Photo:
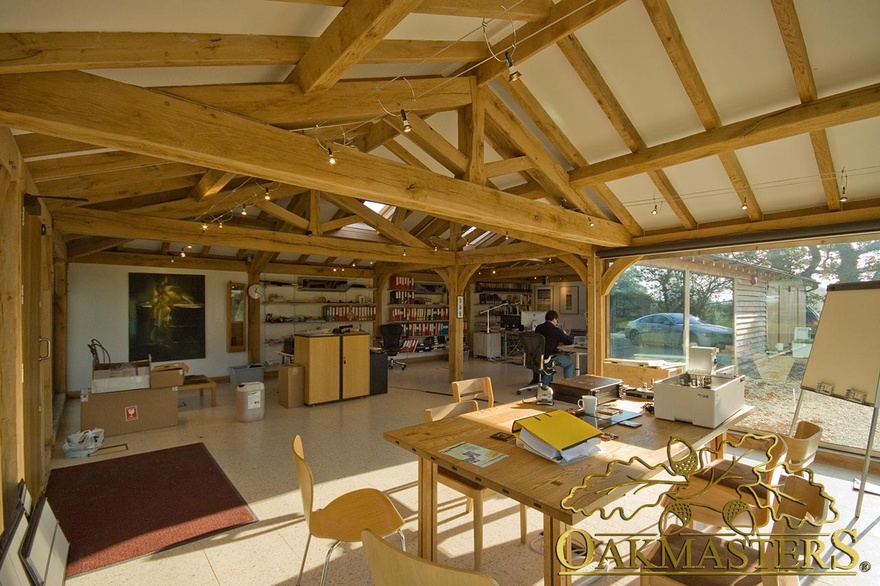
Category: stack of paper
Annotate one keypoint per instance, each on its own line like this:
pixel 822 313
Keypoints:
pixel 557 436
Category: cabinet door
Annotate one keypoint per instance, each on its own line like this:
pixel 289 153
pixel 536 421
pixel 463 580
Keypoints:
pixel 355 366
pixel 320 357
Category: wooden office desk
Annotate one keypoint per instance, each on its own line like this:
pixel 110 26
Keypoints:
pixel 528 478
pixel 199 382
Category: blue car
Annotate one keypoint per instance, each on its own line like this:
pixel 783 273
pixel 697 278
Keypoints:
pixel 667 329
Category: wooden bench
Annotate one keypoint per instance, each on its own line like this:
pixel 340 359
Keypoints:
pixel 191 382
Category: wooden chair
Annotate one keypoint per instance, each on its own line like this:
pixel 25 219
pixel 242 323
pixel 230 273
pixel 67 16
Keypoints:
pixel 473 388
pixel 473 491
pixel 346 517
pixel 716 484
pixel 390 567
pixel 803 510
pixel 802 447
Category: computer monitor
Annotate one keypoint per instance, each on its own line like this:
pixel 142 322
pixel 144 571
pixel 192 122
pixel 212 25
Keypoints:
pixel 530 319
pixel 510 321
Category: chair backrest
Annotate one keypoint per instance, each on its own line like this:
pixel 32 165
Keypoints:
pixel 473 388
pixel 391 336
pixel 533 350
pixel 450 410
pixel 390 566
pixel 803 446
pixel 802 510
pixel 304 476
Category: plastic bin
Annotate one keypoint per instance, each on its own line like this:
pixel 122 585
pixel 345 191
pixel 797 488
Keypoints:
pixel 246 373
pixel 250 401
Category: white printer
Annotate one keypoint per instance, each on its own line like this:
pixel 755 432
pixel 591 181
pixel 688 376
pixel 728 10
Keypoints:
pixel 699 396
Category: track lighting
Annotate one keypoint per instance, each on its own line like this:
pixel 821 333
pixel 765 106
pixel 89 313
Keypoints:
pixel 654 211
pixel 405 120
pixel 404 252
pixel 204 228
pixel 591 222
pixel 506 235
pixel 266 197
pixel 243 210
pixel 512 74
pixel 745 204
pixel 330 157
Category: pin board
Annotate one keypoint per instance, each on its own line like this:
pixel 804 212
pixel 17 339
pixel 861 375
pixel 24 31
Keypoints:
pixel 845 358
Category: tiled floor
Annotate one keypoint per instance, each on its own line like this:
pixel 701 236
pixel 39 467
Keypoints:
pixel 343 442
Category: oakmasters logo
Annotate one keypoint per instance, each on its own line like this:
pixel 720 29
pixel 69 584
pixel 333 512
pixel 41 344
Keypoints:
pixel 771 521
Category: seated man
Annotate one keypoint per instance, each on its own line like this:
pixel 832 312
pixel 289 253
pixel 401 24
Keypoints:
pixel 553 337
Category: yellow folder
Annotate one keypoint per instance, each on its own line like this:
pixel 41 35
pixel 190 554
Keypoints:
pixel 559 429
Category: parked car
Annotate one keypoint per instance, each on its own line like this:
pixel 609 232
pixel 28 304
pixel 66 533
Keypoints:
pixel 667 329
pixel 811 320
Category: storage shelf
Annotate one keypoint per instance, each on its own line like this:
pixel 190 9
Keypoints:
pixel 420 321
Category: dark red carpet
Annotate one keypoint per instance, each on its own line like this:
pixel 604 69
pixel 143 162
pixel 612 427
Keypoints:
pixel 118 509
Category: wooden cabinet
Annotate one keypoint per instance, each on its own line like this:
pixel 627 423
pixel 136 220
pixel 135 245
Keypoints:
pixel 336 366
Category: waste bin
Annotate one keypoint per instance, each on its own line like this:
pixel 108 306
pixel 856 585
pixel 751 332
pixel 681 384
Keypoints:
pixel 250 401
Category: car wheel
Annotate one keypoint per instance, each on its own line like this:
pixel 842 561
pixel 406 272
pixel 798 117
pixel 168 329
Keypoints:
pixel 635 337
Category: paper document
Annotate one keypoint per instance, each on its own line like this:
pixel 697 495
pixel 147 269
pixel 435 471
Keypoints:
pixel 559 429
pixel 474 454
pixel 536 446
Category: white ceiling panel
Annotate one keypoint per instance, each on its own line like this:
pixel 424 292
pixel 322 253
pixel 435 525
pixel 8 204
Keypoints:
pixel 739 52
pixel 631 59
pixel 560 91
pixel 783 174
pixel 854 149
pixel 706 190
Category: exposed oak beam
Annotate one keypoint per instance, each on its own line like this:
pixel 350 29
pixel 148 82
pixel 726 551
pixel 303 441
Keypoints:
pixel 358 27
pixel 834 110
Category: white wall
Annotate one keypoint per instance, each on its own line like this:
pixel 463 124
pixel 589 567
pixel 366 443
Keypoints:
pixel 98 308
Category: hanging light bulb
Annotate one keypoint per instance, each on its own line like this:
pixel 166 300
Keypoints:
pixel 330 157
pixel 405 120
pixel 654 211
pixel 512 74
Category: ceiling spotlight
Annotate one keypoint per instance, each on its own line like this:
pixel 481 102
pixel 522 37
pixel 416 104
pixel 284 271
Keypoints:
pixel 330 156
pixel 506 235
pixel 403 118
pixel 220 225
pixel 204 228
pixel 512 74
pixel 843 199
pixel 745 204
pixel 493 271
pixel 189 246
pixel 404 252
pixel 591 222
pixel 435 248
pixel 243 210
pixel 182 254
pixel 655 210
pixel 267 194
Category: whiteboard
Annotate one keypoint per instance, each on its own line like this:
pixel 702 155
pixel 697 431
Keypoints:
pixel 846 348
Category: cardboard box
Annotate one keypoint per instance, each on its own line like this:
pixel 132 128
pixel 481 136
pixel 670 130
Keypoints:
pixel 291 385
pixel 120 376
pixel 636 373
pixel 129 411
pixel 168 375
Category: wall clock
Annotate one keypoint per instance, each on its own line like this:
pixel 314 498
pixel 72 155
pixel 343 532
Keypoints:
pixel 256 291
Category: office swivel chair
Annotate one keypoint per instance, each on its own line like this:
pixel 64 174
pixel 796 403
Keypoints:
pixel 534 359
pixel 391 337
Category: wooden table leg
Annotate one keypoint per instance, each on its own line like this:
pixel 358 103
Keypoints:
pixel 553 529
pixel 427 510
pixel 719 446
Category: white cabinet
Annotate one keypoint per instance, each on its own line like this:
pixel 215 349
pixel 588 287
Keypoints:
pixel 487 345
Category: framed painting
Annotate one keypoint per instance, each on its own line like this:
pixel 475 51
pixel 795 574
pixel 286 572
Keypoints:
pixel 543 298
pixel 568 300
pixel 166 316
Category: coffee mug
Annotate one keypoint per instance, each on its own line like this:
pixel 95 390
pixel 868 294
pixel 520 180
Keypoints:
pixel 588 404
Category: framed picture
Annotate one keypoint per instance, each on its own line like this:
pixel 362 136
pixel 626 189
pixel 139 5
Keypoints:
pixel 166 316
pixel 543 298
pixel 568 300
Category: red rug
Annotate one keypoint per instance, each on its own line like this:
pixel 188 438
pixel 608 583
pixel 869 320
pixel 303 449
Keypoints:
pixel 122 508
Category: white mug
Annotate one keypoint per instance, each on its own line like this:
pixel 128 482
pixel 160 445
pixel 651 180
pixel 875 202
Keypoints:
pixel 588 404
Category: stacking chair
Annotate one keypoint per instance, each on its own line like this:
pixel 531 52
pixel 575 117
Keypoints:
pixel 802 447
pixel 803 510
pixel 390 567
pixel 473 491
pixel 473 388
pixel 346 517
pixel 392 334
pixel 716 484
